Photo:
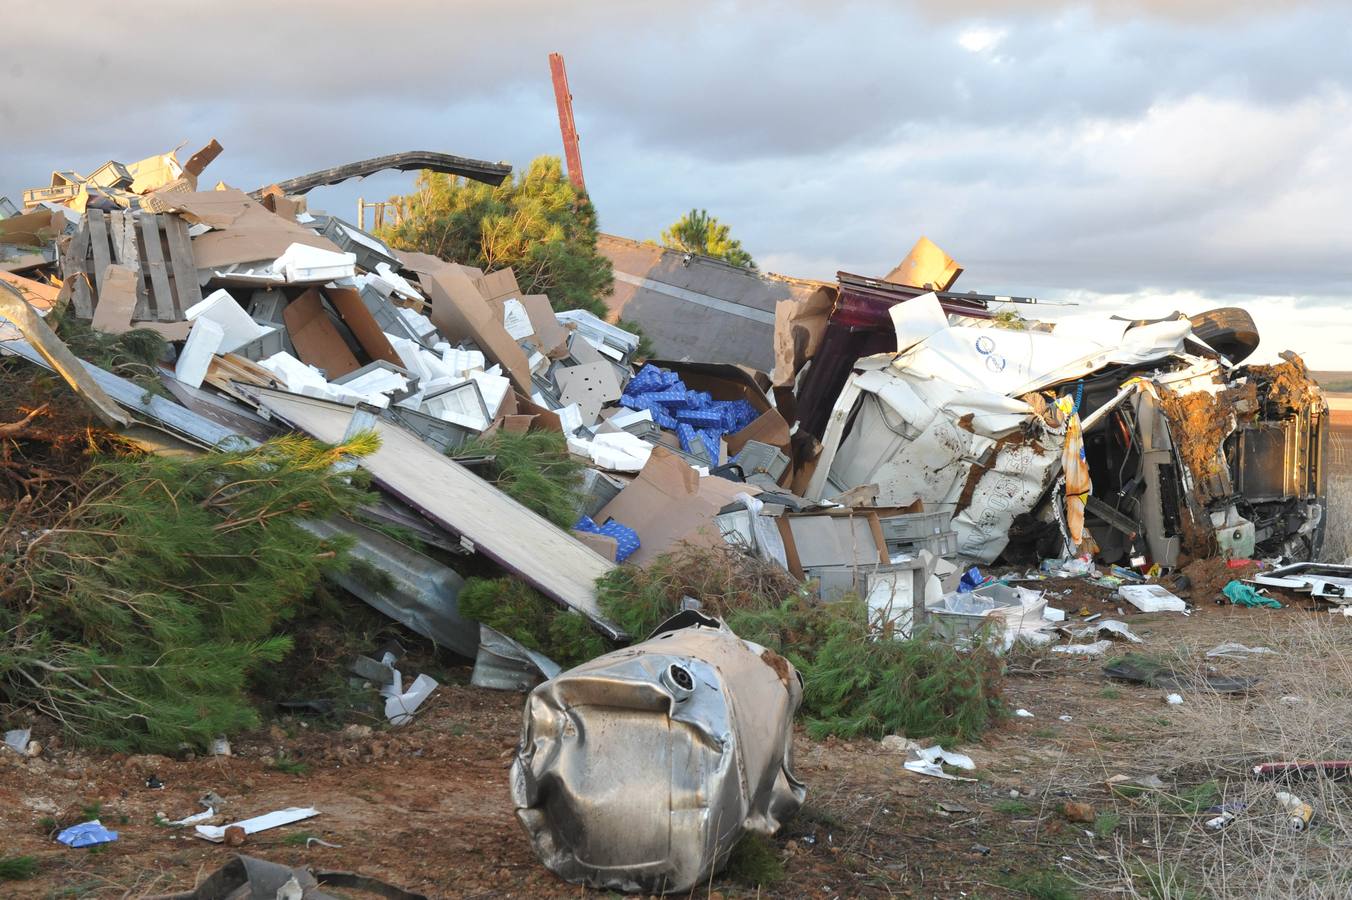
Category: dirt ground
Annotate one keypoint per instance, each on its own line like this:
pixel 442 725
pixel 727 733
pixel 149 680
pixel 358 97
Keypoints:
pixel 426 807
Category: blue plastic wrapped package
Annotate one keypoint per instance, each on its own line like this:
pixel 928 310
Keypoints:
pixel 971 580
pixel 86 834
pixel 626 538
pixel 695 416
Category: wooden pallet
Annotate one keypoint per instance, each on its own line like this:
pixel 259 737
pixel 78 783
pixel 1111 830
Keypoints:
pixel 155 247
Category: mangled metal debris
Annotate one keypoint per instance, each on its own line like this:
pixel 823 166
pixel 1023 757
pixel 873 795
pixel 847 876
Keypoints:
pixel 640 769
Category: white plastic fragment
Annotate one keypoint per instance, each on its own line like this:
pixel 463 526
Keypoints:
pixel 931 760
pixel 237 327
pixel 1023 713
pixel 400 705
pixel 204 342
pixel 1234 650
pixel 1151 598
pixel 216 833
pixel 17 740
pixel 1174 699
pixel 301 262
pixel 1098 648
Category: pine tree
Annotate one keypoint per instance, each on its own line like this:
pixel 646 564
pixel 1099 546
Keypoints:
pixel 136 620
pixel 698 232
pixel 537 223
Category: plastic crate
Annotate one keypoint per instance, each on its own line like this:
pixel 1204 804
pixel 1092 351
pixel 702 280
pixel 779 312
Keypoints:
pixel 914 526
pixel 945 543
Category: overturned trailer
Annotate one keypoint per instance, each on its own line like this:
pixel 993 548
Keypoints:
pixel 1170 446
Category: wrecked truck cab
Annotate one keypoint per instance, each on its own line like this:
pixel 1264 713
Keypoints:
pixel 1186 454
pixel 1209 459
pixel 640 769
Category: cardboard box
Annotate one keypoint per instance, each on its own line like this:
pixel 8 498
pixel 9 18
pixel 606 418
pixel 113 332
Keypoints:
pixel 316 339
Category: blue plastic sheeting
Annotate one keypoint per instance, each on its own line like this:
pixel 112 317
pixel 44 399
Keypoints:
pixel 86 834
pixel 626 538
pixel 698 420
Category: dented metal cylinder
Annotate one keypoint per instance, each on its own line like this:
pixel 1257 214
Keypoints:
pixel 639 770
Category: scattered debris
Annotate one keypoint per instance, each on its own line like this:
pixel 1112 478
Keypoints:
pixel 245 876
pixel 1235 650
pixel 1298 812
pixel 1078 812
pixel 1098 648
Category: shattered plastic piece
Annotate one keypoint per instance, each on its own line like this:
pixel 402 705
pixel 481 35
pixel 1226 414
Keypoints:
pixel 626 538
pixel 1098 648
pixel 1233 650
pixel 931 760
pixel 86 834
pixel 1241 594
pixel 216 833
pixel 206 815
pixel 1023 713
pixel 640 770
pixel 17 739
pixel 1110 629
pixel 400 705
pixel 1151 598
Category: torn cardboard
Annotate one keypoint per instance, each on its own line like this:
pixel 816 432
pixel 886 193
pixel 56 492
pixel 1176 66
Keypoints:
pixel 315 337
pixel 460 312
pixel 669 503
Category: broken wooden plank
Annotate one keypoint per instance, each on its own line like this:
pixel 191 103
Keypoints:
pixel 187 292
pixel 161 297
pixel 58 355
pixel 546 556
pixel 98 239
pixel 74 271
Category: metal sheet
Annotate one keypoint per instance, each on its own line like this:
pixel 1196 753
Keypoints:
pixel 420 593
pixel 504 664
pixel 544 555
pixel 641 769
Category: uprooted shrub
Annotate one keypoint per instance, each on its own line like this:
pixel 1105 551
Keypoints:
pixel 859 684
pixel 535 469
pixel 856 683
pixel 135 618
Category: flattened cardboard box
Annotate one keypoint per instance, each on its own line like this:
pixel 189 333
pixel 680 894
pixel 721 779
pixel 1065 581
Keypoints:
pixel 668 503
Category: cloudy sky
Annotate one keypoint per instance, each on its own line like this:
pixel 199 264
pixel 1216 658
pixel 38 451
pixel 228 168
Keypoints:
pixel 1139 155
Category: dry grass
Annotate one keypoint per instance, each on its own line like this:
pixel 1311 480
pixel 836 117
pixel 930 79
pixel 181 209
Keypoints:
pixel 1299 711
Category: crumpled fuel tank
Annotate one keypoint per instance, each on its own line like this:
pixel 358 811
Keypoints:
pixel 640 770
